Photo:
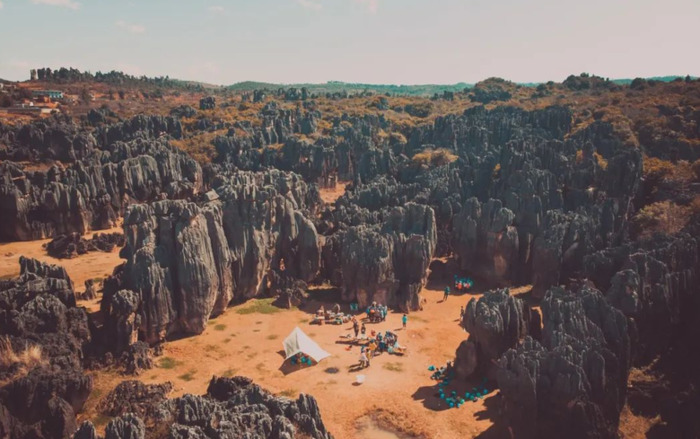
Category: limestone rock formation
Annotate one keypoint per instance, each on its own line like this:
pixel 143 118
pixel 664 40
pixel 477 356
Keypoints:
pixel 495 323
pixel 388 262
pixel 207 103
pixel 574 382
pixel 187 262
pixel 143 400
pixel 73 244
pixel 232 407
pixel 99 173
pixel 40 321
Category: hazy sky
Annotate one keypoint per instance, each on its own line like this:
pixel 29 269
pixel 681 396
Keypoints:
pixel 372 41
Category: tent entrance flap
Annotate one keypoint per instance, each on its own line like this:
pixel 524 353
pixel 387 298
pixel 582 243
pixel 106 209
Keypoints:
pixel 298 342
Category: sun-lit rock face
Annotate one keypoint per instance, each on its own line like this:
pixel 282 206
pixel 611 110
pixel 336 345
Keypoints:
pixel 187 262
pixel 100 173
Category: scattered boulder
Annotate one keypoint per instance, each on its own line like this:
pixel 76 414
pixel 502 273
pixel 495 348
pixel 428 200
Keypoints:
pixel 207 103
pixel 73 244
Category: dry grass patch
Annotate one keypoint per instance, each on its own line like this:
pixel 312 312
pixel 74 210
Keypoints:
pixel 289 393
pixel 259 306
pixel 168 363
pixel 219 327
pixel 28 358
pixel 435 157
pixel 189 376
pixel 228 373
pixel 100 421
pixel 273 337
pixel 394 367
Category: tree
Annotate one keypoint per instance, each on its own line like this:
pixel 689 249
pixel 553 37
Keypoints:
pixel 85 96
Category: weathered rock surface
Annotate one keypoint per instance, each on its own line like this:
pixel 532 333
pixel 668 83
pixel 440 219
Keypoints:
pixel 143 400
pixel 39 399
pixel 574 381
pixel 207 103
pixel 386 262
pixel 495 323
pixel 94 175
pixel 232 407
pixel 187 262
pixel 73 244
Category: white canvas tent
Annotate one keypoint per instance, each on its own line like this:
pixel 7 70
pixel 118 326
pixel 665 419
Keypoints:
pixel 298 342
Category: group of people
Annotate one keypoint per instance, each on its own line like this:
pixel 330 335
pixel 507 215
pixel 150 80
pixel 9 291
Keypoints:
pixel 460 284
pixel 378 343
pixel 377 312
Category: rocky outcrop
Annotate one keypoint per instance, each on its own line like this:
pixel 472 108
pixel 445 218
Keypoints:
pixel 207 103
pixel 43 388
pixel 232 407
pixel 137 358
pixel 486 240
pixel 654 283
pixel 121 163
pixel 388 262
pixel 122 319
pixel 90 292
pixel 143 400
pixel 183 111
pixel 128 426
pixel 573 382
pixel 73 244
pixel 495 323
pixel 187 262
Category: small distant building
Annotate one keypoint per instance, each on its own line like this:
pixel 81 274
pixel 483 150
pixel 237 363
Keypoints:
pixel 52 94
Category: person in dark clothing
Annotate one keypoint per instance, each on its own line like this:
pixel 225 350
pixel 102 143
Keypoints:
pixel 447 294
pixel 355 327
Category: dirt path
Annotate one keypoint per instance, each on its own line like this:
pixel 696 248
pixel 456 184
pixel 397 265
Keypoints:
pixel 330 195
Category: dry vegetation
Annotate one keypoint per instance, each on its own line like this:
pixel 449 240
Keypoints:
pixel 21 361
pixel 434 157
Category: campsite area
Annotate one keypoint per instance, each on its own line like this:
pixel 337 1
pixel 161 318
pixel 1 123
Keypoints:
pixel 398 399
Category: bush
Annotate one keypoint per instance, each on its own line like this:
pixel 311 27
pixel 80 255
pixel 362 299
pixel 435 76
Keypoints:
pixel 434 157
pixel 492 89
pixel 696 169
pixel 657 168
pixel 22 361
pixel 422 109
pixel 661 217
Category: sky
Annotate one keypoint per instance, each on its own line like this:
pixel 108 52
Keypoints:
pixel 367 41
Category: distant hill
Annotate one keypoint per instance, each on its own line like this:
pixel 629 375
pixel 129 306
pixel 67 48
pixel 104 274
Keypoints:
pixel 350 87
pixel 407 90
pixel 70 75
pixel 653 78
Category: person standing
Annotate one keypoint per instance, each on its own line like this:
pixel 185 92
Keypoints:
pixel 364 362
pixel 404 320
pixel 447 293
pixel 355 326
pixel 363 330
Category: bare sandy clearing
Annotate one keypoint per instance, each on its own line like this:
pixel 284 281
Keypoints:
pixel 397 399
pixel 93 265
